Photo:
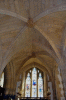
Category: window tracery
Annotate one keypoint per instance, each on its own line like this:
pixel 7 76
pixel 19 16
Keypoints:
pixel 34 78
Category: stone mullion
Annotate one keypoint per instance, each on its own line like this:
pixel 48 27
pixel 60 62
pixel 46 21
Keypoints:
pixel 37 83
pixel 24 84
pixel 31 85
pixel 24 87
pixel 43 85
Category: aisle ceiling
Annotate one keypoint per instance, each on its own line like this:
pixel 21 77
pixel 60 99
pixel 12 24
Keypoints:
pixel 29 32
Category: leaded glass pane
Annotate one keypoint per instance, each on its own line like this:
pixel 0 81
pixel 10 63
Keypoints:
pixel 2 80
pixel 40 86
pixel 27 92
pixel 34 83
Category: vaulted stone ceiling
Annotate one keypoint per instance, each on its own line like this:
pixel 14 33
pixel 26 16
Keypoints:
pixel 33 31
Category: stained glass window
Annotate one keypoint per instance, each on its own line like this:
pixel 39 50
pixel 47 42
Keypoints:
pixel 34 83
pixel 27 92
pixel 2 80
pixel 40 86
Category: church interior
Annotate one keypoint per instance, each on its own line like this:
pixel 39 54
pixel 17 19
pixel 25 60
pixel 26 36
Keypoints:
pixel 33 49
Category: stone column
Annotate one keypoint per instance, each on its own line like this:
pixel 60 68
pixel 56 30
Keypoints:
pixel 59 85
pixel 45 84
pixel 7 79
pixel 51 90
pixel 20 87
pixel 23 84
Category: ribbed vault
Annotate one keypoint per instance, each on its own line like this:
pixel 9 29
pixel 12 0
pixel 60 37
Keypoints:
pixel 33 31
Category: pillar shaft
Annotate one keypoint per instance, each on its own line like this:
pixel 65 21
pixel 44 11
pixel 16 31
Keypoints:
pixel 45 84
pixel 23 84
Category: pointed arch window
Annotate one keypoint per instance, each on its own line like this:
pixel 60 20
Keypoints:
pixel 34 83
